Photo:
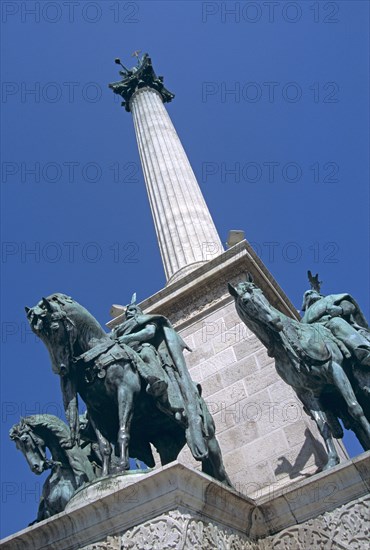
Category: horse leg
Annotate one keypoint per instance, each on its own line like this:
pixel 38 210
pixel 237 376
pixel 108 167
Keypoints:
pixel 104 448
pixel 321 422
pixel 125 399
pixel 213 464
pixel 315 409
pixel 41 513
pixel 169 445
pixel 341 381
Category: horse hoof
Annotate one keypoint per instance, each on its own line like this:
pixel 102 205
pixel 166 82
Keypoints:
pixel 330 464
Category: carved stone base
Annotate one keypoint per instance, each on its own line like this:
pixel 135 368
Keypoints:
pixel 104 486
pixel 176 507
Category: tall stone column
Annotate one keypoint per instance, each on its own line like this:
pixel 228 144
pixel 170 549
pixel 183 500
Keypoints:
pixel 185 230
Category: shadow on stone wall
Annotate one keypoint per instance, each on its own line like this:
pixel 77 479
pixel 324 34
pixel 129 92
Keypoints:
pixel 310 447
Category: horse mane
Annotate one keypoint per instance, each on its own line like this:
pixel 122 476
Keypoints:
pixel 268 335
pixel 88 326
pixel 54 424
pixel 75 456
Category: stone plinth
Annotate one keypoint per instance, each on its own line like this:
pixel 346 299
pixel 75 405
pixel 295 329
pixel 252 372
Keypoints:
pixel 163 502
pixel 179 508
pixel 104 486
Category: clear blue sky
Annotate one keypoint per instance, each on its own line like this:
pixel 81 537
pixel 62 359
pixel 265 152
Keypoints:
pixel 279 94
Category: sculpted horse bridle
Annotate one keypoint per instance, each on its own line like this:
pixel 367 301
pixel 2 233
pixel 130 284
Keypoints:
pixel 32 447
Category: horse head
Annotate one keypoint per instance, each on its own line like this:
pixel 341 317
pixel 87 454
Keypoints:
pixel 31 445
pixel 49 320
pixel 68 330
pixel 252 305
pixel 70 465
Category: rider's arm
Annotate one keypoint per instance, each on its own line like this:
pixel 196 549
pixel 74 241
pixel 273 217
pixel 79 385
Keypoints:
pixel 347 307
pixel 143 335
pixel 343 309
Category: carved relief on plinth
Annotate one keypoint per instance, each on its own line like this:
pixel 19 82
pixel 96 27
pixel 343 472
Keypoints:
pixel 177 529
pixel 345 528
pixel 111 543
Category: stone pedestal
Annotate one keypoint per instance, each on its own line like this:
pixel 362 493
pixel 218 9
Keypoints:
pixel 103 487
pixel 179 508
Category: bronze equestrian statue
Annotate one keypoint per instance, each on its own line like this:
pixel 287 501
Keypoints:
pixel 134 382
pixel 331 378
pixel 71 466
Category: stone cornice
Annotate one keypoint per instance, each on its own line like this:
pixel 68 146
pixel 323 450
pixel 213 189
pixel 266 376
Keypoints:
pixel 232 265
pixel 168 488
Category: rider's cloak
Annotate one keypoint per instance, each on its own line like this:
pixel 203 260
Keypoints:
pixel 182 392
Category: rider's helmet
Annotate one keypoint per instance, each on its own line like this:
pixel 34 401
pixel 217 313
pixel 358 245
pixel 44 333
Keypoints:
pixel 310 297
pixel 132 308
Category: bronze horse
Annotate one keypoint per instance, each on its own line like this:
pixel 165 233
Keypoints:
pixel 309 359
pixel 119 409
pixel 70 465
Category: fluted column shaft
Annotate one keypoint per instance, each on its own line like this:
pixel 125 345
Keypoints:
pixel 186 233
